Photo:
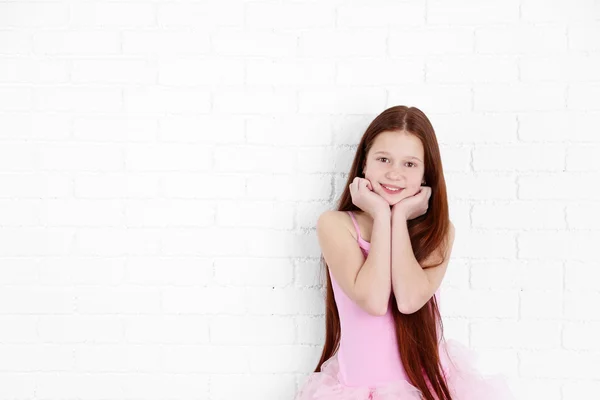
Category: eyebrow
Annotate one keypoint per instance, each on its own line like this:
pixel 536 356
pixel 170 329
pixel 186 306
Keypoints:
pixel 385 152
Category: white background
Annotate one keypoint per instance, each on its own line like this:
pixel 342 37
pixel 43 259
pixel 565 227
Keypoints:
pixel 163 164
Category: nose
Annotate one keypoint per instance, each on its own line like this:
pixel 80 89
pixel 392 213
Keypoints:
pixel 394 175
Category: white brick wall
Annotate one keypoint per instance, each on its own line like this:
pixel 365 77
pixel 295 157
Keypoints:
pixel 163 163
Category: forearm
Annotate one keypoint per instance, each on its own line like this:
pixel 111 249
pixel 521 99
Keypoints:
pixel 408 277
pixel 375 274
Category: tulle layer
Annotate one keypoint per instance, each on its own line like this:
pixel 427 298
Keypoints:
pixel 458 361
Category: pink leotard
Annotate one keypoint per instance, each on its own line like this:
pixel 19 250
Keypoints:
pixel 368 353
pixel 367 365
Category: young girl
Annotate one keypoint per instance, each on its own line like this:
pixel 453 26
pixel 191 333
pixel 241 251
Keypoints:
pixel 386 251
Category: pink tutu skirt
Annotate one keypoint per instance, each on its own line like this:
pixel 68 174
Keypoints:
pixel 464 381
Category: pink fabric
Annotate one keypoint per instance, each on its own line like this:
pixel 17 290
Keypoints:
pixel 367 365
pixel 368 353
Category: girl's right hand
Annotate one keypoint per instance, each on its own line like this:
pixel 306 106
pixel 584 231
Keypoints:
pixel 364 198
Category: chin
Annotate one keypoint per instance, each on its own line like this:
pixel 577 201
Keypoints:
pixel 391 201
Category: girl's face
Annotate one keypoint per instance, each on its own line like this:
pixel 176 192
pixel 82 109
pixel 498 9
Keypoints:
pixel 396 159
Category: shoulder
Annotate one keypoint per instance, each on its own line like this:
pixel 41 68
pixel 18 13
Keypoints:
pixel 335 220
pixel 449 242
pixel 449 237
pixel 441 253
pixel 451 232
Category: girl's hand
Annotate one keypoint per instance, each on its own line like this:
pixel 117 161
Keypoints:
pixel 413 206
pixel 364 198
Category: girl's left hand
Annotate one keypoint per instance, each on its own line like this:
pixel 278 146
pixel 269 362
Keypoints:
pixel 413 206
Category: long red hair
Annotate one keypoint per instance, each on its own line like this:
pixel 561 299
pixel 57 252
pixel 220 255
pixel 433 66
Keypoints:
pixel 417 333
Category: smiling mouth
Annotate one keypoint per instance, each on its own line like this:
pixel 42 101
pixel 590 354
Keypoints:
pixel 391 190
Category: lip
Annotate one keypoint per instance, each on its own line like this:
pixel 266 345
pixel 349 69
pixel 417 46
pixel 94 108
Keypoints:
pixel 391 192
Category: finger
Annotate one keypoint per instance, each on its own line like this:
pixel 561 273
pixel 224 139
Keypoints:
pixel 366 183
pixel 358 182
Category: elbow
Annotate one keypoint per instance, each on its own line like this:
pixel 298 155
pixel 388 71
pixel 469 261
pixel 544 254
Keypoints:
pixel 377 310
pixel 412 304
pixel 381 311
pixel 407 308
